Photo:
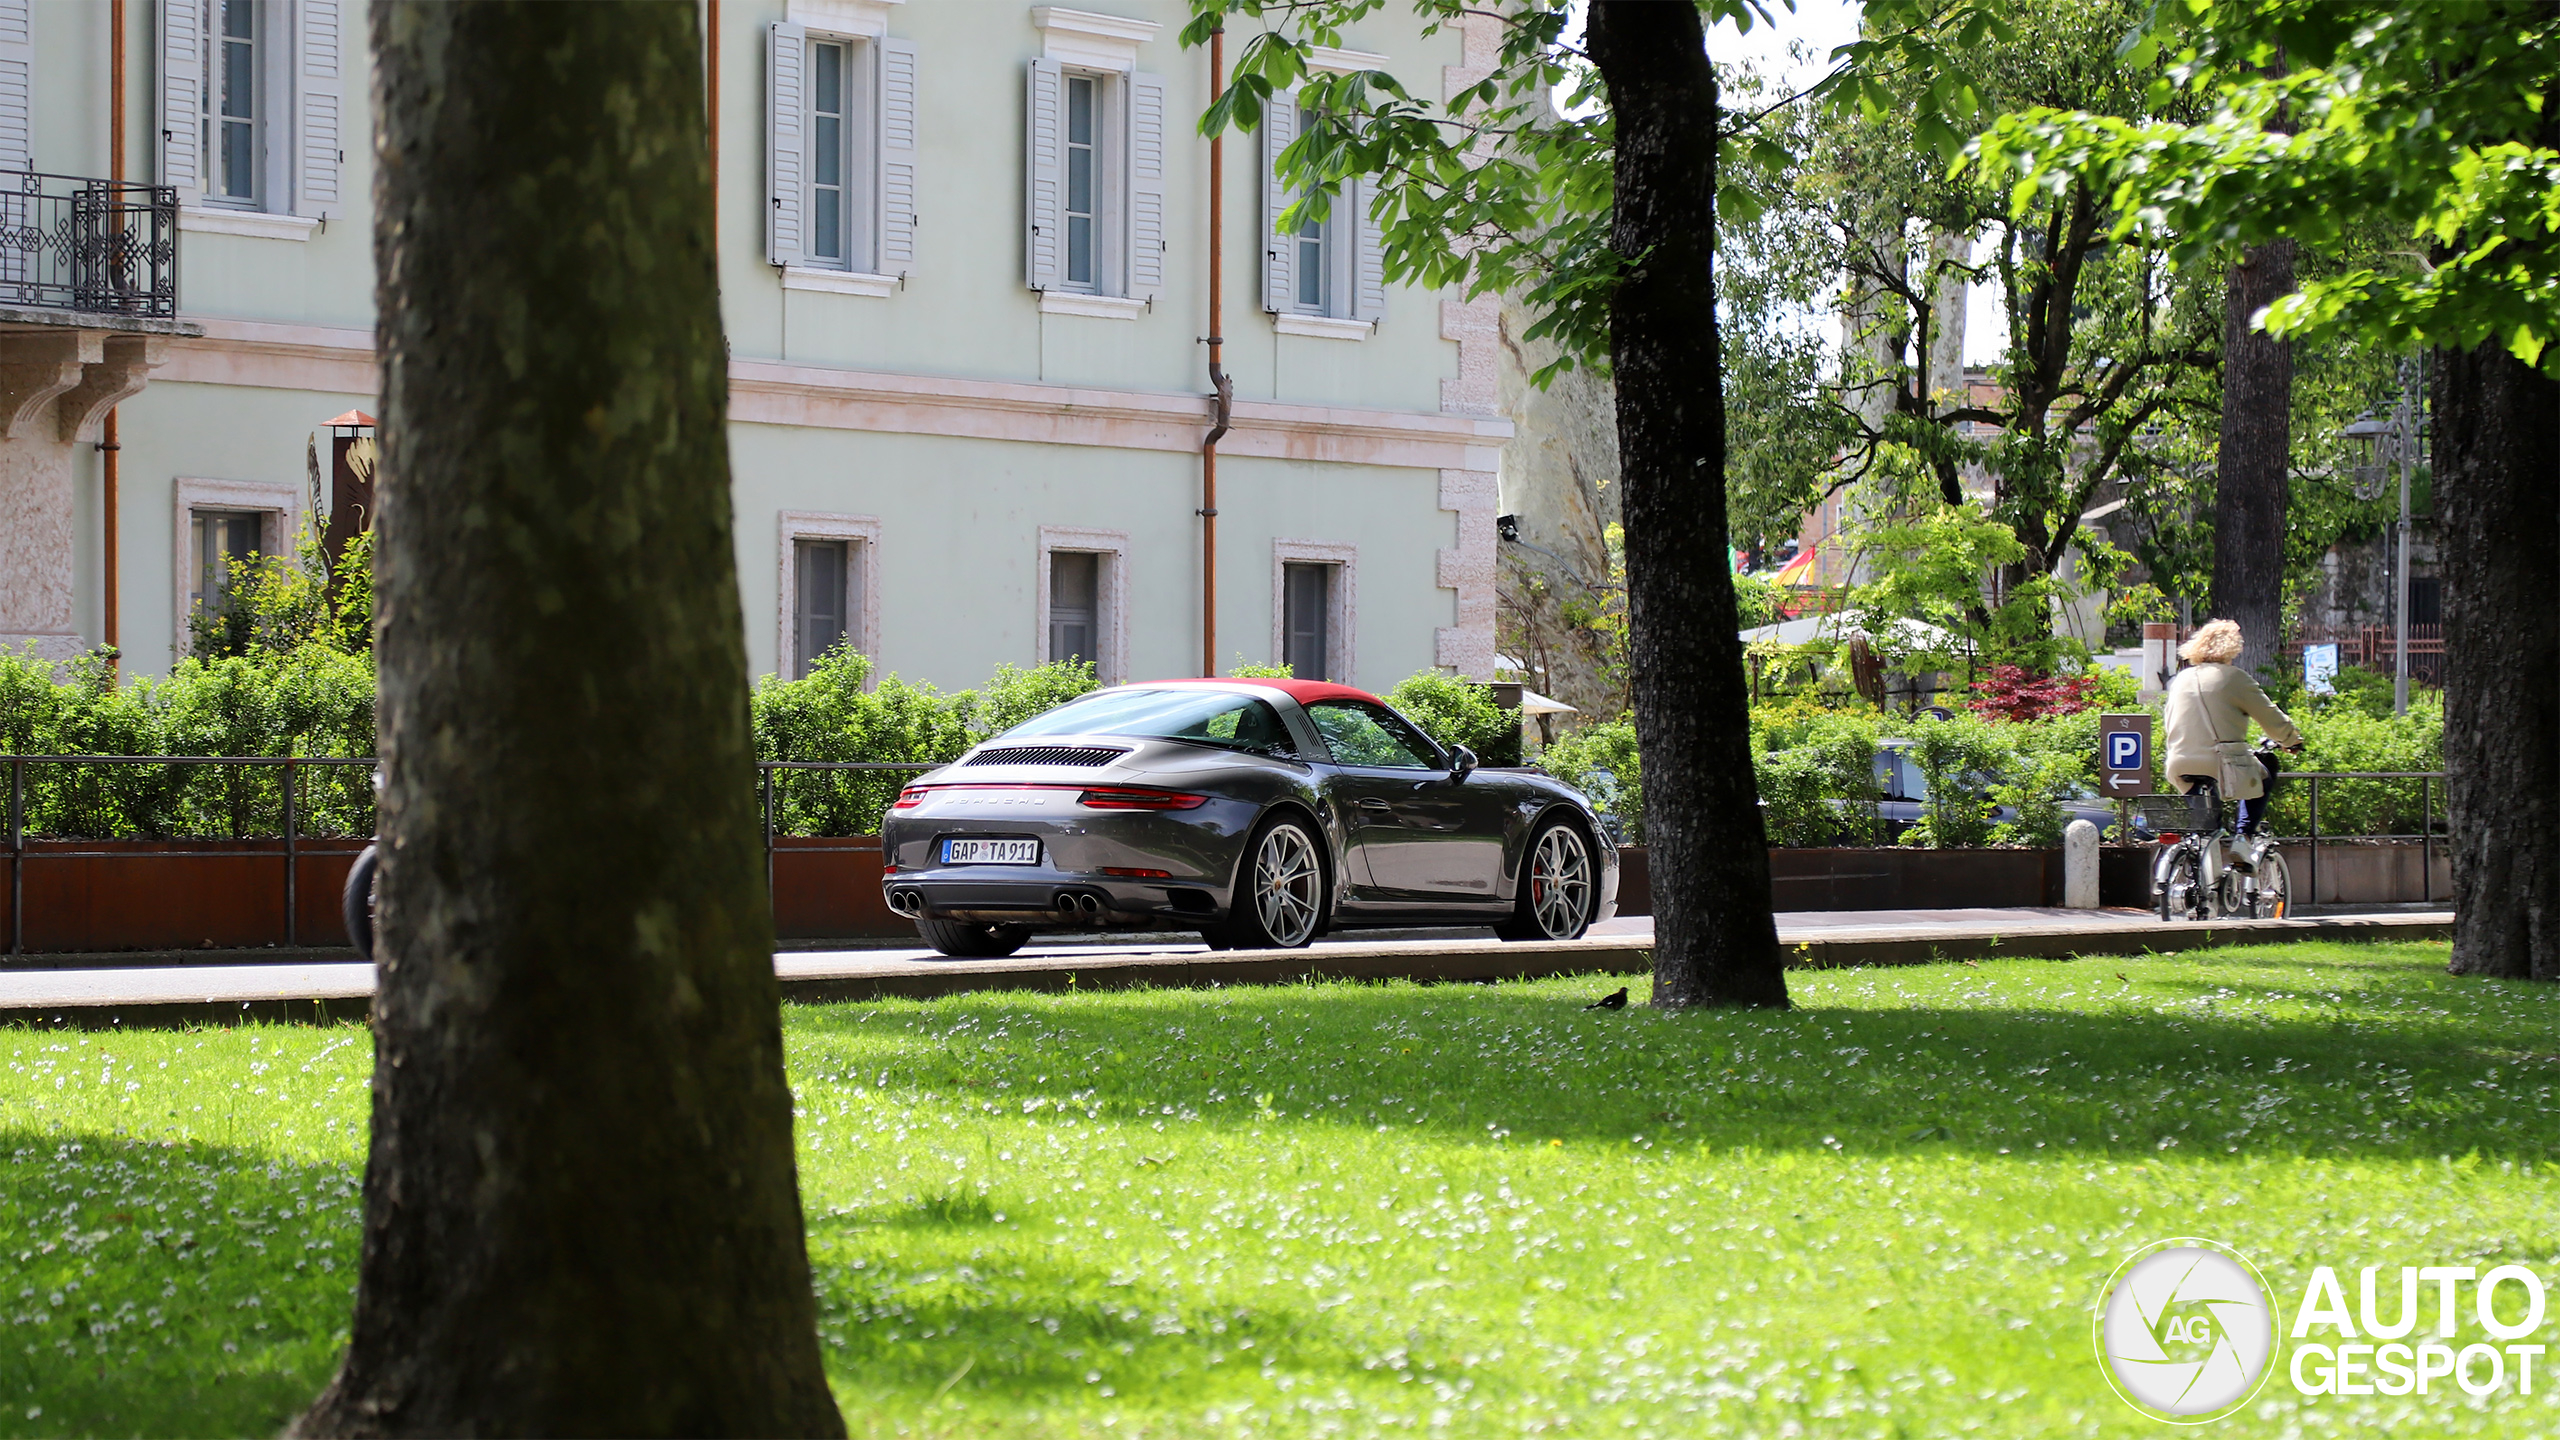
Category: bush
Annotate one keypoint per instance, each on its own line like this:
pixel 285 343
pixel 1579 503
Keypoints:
pixel 1601 762
pixel 1454 711
pixel 2012 692
pixel 2347 737
pixel 1959 759
pixel 829 715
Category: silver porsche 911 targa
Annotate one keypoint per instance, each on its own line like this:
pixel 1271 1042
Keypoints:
pixel 1258 812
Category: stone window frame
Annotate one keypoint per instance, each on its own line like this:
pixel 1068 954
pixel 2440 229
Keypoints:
pixel 280 502
pixel 862 564
pixel 1111 604
pixel 1342 650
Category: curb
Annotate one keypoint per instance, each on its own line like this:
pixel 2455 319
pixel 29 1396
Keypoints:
pixel 805 981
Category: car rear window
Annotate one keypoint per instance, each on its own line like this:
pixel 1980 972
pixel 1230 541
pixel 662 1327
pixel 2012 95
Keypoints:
pixel 1203 717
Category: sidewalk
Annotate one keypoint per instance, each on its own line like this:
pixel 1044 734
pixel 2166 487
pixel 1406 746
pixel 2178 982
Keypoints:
pixel 318 990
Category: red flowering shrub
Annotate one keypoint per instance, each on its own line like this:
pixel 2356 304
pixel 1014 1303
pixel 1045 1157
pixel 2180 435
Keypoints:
pixel 2012 692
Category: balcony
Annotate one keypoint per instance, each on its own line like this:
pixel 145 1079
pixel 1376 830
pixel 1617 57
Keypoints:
pixel 91 247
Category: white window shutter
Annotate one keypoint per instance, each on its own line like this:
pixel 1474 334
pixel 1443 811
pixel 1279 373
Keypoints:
pixel 786 144
pixel 17 88
pixel 1368 261
pixel 1045 172
pixel 897 132
pixel 1146 186
pixel 182 97
pixel 317 93
pixel 1279 257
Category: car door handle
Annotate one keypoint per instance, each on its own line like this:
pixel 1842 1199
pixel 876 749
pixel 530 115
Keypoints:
pixel 1372 802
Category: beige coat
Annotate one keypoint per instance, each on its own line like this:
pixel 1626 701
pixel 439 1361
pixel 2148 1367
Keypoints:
pixel 2208 713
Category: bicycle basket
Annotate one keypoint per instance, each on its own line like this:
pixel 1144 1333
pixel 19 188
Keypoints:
pixel 2161 813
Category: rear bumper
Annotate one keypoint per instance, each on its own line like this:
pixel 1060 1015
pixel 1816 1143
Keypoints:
pixel 1051 901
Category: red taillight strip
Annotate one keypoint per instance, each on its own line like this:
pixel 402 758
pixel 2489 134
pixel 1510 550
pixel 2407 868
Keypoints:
pixel 914 795
pixel 1129 797
pixel 1096 797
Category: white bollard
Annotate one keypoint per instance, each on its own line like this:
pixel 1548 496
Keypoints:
pixel 2080 866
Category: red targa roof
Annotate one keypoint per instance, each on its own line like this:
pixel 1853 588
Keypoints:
pixel 1303 691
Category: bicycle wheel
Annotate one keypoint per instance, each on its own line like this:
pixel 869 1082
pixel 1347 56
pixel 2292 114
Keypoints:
pixel 2179 888
pixel 2271 897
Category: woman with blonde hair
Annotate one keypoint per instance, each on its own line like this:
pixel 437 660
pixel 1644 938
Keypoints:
pixel 2209 707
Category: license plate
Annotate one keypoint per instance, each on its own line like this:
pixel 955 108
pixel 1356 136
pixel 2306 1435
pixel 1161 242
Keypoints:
pixel 990 852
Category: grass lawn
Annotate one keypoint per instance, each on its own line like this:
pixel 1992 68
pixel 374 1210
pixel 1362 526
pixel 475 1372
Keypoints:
pixel 1359 1209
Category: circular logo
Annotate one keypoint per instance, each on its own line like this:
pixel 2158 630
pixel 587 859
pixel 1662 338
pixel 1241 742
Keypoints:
pixel 2185 1329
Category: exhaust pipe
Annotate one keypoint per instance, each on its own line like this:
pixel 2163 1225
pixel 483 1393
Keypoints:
pixel 1080 905
pixel 907 903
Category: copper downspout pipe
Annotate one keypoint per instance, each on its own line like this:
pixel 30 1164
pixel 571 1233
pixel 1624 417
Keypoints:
pixel 1223 398
pixel 108 448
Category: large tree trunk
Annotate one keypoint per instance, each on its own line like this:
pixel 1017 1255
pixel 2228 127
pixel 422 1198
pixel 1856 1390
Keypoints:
pixel 2251 487
pixel 2497 496
pixel 580 1210
pixel 1715 942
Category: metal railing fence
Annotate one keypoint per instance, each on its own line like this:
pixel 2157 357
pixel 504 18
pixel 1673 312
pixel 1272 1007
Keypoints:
pixel 294 798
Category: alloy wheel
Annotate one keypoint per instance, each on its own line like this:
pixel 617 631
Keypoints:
pixel 1288 886
pixel 1560 882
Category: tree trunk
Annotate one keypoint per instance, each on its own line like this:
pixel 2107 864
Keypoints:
pixel 1715 942
pixel 2251 487
pixel 2497 497
pixel 580 1210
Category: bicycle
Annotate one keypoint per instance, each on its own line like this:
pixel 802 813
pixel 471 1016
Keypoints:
pixel 2198 874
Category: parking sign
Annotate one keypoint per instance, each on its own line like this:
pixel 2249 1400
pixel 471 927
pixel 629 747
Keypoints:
pixel 2124 754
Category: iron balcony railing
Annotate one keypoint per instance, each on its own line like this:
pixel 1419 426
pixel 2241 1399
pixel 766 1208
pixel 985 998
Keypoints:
pixel 68 242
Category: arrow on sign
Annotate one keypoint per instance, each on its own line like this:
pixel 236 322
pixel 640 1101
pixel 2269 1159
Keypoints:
pixel 2121 784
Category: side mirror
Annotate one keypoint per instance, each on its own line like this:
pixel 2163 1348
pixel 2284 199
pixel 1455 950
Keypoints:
pixel 1462 762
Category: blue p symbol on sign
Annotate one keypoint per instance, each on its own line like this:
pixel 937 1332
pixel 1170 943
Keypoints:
pixel 2124 750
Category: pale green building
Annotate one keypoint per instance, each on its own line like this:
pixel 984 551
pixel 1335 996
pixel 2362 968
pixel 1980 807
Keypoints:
pixel 963 257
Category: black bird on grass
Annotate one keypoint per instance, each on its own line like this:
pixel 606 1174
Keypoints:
pixel 1614 1001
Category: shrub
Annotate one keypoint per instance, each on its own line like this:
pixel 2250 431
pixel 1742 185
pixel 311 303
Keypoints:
pixel 1454 711
pixel 830 715
pixel 1959 759
pixel 1601 761
pixel 2012 692
pixel 2347 737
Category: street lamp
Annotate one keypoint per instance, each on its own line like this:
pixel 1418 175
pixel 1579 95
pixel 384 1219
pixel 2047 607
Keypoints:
pixel 2393 441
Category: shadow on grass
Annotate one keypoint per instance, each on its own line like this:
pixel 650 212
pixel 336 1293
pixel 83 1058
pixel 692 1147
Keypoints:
pixel 167 1288
pixel 1036 1333
pixel 2335 1049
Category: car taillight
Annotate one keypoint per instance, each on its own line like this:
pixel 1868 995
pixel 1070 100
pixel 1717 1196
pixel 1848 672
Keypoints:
pixel 911 797
pixel 2168 839
pixel 1126 873
pixel 1123 797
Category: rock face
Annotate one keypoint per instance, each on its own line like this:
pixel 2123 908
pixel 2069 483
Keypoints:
pixel 1559 604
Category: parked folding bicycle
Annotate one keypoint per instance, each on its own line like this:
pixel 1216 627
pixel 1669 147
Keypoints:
pixel 2205 872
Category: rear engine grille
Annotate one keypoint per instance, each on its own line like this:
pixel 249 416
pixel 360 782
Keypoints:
pixel 1047 755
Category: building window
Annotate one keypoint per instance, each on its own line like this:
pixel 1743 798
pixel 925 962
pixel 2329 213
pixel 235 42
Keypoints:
pixel 823 606
pixel 1094 239
pixel 1324 276
pixel 1315 252
pixel 829 135
pixel 2426 600
pixel 238 108
pixel 1075 603
pixel 249 94
pixel 1307 610
pixel 1314 608
pixel 222 540
pixel 827 589
pixel 1082 600
pixel 1084 181
pixel 841 159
